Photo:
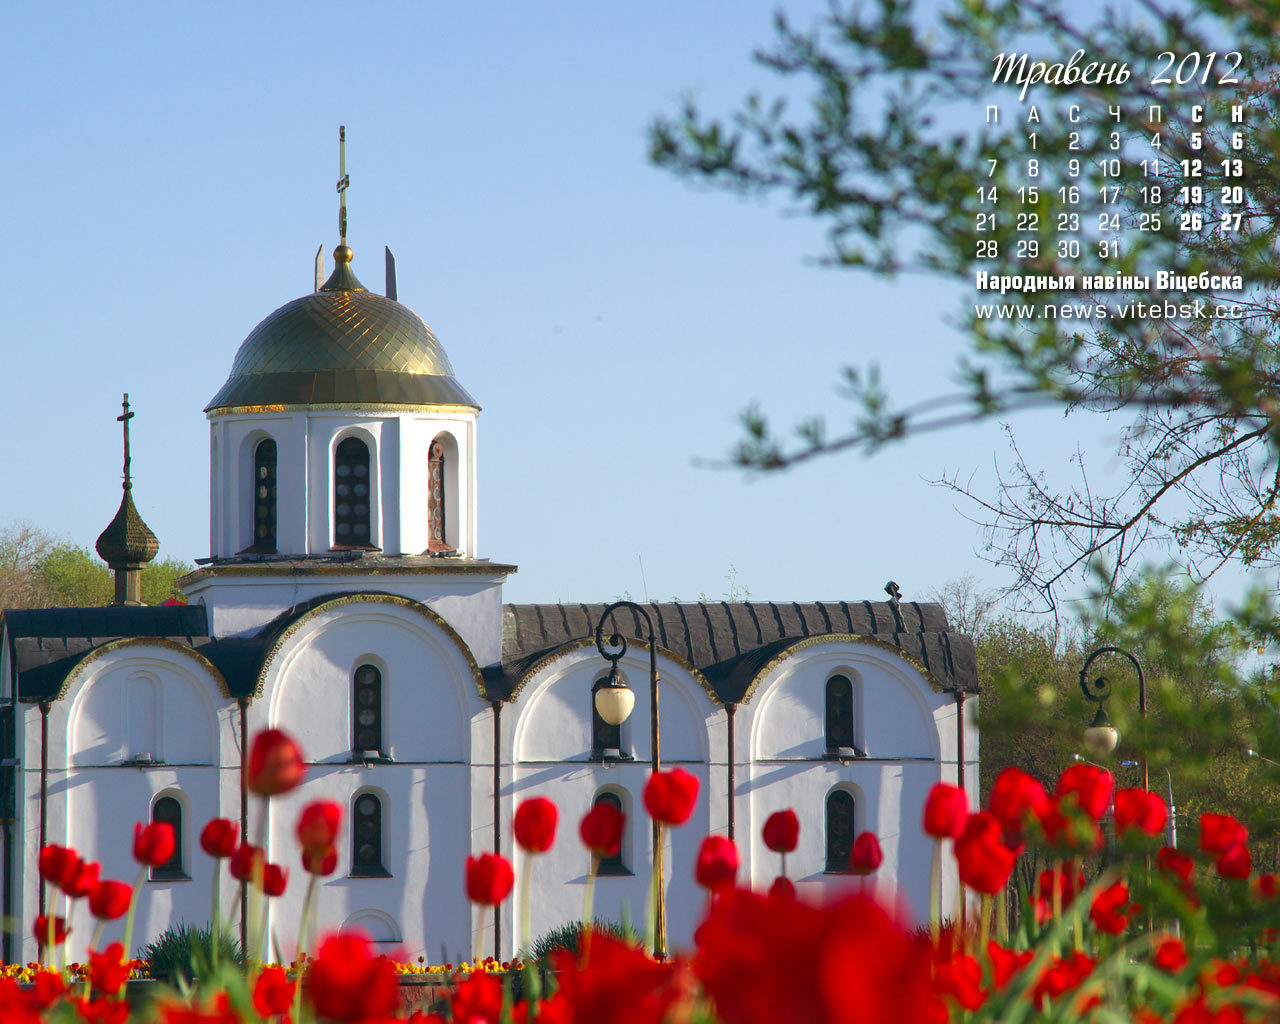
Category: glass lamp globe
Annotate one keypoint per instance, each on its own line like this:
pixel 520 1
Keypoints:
pixel 1101 737
pixel 614 700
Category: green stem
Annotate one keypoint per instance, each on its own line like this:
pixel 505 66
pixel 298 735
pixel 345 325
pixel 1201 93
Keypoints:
pixel 217 911
pixel 1057 891
pixel 50 918
pixel 588 899
pixel 935 893
pixel 93 944
pixel 526 902
pixel 128 921
pixel 302 947
pixel 784 863
pixel 985 927
pixel 257 900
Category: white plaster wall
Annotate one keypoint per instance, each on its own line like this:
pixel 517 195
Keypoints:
pixel 305 442
pixel 428 689
pixel 240 605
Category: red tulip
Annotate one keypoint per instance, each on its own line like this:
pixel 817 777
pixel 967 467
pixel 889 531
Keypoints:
pixel 110 899
pixel 782 831
pixel 489 878
pixel 1067 827
pixel 243 860
pixel 219 837
pixel 961 978
pixel 59 865
pixel 865 857
pixel 1220 832
pixel 1067 885
pixel 1140 810
pixel 601 829
pixel 83 881
pixel 108 972
pixel 274 879
pixel 273 992
pixel 945 811
pixel 782 889
pixel 669 796
pixel 318 825
pixel 1235 862
pixel 320 862
pixel 1091 785
pixel 1268 886
pixel 346 982
pixel 984 861
pixel 534 824
pixel 1176 863
pixel 1110 910
pixel 275 764
pixel 717 865
pixel 41 930
pixel 153 844
pixel 1014 796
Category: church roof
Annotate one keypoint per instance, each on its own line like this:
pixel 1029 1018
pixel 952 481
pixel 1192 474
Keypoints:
pixel 343 345
pixel 730 642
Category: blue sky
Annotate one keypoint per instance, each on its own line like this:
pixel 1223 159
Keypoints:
pixel 169 172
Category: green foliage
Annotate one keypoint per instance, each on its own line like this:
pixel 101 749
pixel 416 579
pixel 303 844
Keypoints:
pixel 888 151
pixel 569 937
pixel 186 952
pixel 41 571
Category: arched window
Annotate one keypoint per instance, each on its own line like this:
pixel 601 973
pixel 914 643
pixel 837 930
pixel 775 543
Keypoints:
pixel 264 496
pixel 606 739
pixel 169 811
pixel 351 494
pixel 437 499
pixel 840 829
pixel 614 865
pixel 366 710
pixel 840 732
pixel 366 836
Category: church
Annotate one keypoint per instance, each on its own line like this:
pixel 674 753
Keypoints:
pixel 347 599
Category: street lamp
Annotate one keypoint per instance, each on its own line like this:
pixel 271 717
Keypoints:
pixel 614 701
pixel 1101 736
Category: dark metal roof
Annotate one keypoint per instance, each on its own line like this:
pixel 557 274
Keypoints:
pixel 108 622
pixel 729 642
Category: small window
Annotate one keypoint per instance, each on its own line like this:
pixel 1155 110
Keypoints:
pixel 351 494
pixel 840 830
pixel 366 836
pixel 169 811
pixel 606 739
pixel 840 732
pixel 438 500
pixel 614 865
pixel 264 496
pixel 366 710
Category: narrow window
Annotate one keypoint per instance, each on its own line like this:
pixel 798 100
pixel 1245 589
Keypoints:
pixel 169 811
pixel 366 710
pixel 840 714
pixel 351 494
pixel 366 836
pixel 437 499
pixel 264 496
pixel 606 739
pixel 839 830
pixel 614 865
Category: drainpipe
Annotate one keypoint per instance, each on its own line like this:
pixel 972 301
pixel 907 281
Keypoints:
pixel 244 815
pixel 44 788
pixel 960 738
pixel 9 798
pixel 497 819
pixel 730 711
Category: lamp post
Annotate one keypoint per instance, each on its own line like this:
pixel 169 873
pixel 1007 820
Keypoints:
pixel 1101 736
pixel 614 701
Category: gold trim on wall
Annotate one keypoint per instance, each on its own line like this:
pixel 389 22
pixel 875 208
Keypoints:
pixel 577 645
pixel 164 643
pixel 849 638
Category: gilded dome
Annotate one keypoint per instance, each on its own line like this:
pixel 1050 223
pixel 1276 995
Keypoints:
pixel 341 345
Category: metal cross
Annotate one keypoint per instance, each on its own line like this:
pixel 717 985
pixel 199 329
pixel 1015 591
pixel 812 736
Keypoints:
pixel 344 180
pixel 125 418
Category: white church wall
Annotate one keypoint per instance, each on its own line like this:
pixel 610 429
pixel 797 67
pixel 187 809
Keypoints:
pixel 458 431
pixel 909 735
pixel 234 440
pixel 241 604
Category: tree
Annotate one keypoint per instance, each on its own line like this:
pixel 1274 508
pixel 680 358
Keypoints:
pixel 885 160
pixel 41 571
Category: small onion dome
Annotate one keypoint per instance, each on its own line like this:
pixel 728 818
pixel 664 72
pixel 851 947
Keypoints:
pixel 341 345
pixel 128 542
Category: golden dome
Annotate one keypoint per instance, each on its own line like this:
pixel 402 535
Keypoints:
pixel 341 345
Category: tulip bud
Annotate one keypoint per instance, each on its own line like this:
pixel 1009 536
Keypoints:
pixel 669 797
pixel 717 865
pixel 489 878
pixel 110 900
pixel 219 838
pixel 153 844
pixel 866 856
pixel 782 831
pixel 275 764
pixel 534 824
